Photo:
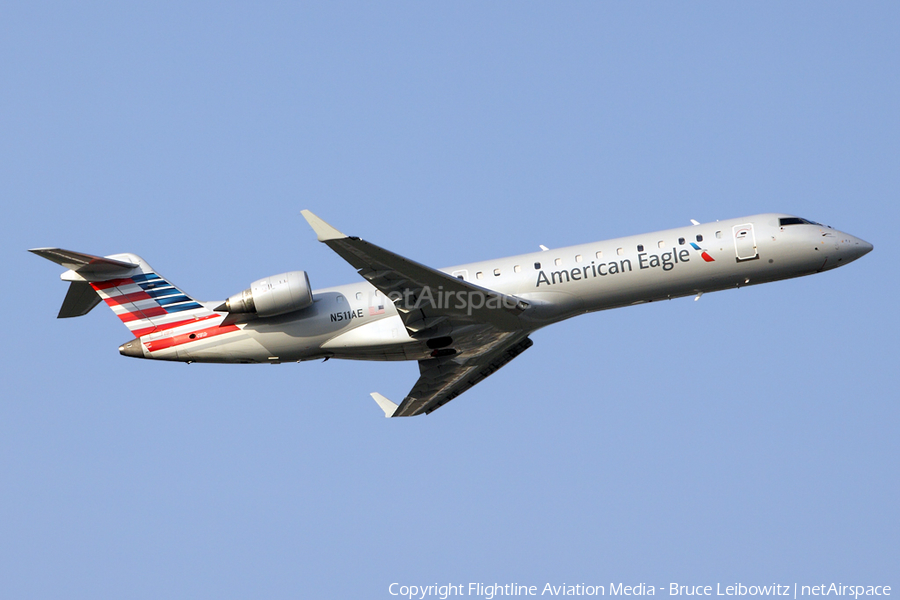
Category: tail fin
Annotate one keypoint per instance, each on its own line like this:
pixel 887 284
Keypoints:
pixel 143 300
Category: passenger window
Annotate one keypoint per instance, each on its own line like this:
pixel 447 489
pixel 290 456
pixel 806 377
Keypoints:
pixel 517 269
pixel 681 241
pixel 620 251
pixel 599 253
pixel 537 266
pixel 558 261
pixel 496 272
pixel 719 235
pixel 359 295
pixel 699 238
pixel 577 258
pixel 479 275
pixel 640 247
pixel 661 244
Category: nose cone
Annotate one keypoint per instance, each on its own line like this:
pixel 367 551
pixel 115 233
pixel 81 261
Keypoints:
pixel 852 248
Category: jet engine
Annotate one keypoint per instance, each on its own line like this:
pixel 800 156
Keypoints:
pixel 271 296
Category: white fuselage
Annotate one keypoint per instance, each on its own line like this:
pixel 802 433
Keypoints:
pixel 356 321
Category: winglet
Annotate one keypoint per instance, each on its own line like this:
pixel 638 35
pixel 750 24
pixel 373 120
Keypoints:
pixel 386 405
pixel 323 230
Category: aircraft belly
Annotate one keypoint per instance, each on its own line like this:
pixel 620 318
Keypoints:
pixel 383 332
pixel 552 306
pixel 237 347
pixel 409 351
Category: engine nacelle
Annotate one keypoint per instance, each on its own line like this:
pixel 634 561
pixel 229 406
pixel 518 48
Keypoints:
pixel 275 295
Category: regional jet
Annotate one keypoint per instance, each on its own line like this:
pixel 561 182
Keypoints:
pixel 460 323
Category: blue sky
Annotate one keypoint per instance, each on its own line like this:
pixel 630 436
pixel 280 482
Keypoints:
pixel 749 437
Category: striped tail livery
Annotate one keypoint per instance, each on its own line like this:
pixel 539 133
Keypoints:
pixel 145 302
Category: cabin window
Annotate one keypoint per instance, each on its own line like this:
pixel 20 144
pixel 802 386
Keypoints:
pixel 620 251
pixel 558 261
pixel 537 266
pixel 517 269
pixel 661 244
pixel 599 254
pixel 681 241
pixel 699 238
pixel 479 275
pixel 718 235
pixel 359 295
pixel 496 272
pixel 578 258
pixel 640 247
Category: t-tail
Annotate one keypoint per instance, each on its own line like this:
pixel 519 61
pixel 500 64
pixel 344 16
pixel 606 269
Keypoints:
pixel 144 301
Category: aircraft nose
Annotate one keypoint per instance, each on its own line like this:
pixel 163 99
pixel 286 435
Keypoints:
pixel 854 248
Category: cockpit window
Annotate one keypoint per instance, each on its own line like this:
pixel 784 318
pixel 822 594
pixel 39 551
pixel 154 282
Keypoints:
pixel 795 221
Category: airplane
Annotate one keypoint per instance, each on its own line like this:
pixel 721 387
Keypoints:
pixel 460 323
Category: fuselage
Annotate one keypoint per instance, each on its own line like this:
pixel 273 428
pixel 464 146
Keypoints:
pixel 356 321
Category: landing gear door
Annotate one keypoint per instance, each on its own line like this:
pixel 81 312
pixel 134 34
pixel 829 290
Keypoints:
pixel 745 242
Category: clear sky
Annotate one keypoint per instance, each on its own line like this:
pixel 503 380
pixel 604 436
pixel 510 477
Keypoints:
pixel 749 437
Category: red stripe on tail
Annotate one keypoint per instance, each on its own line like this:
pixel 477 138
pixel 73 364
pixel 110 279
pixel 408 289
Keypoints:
pixel 146 313
pixel 146 330
pixel 103 285
pixel 126 298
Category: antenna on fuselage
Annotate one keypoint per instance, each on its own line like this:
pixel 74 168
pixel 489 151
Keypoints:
pixel 693 222
pixel 544 248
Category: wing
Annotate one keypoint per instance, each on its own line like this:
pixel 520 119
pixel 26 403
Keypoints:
pixel 484 323
pixel 427 299
pixel 443 379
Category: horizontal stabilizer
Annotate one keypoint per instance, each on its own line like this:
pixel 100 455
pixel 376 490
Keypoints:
pixel 80 299
pixel 386 405
pixel 84 264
